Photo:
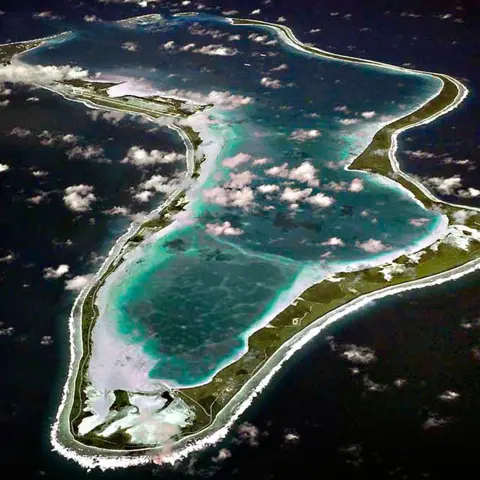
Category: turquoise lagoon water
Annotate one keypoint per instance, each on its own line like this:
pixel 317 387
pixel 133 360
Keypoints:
pixel 192 296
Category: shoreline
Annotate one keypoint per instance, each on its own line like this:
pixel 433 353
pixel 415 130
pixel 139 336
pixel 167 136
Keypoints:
pixel 340 313
pixel 293 343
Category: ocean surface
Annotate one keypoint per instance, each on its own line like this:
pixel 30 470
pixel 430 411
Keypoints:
pixel 194 295
pixel 428 338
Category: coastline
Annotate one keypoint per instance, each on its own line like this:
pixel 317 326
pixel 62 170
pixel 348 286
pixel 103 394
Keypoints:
pixel 262 377
pixel 340 313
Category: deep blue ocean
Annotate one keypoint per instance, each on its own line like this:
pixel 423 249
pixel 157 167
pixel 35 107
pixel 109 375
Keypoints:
pixel 344 422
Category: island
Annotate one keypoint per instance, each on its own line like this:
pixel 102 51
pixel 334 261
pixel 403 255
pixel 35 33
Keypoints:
pixel 210 409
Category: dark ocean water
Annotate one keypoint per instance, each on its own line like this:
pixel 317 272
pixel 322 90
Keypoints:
pixel 345 429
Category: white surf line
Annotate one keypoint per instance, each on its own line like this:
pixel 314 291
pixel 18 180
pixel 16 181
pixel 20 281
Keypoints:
pixel 106 461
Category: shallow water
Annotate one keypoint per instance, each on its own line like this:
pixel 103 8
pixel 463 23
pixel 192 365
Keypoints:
pixel 192 297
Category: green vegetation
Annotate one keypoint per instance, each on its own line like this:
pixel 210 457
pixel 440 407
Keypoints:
pixel 121 400
pixel 7 51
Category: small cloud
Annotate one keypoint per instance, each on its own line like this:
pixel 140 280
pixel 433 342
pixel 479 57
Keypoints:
pixel 241 198
pixel 372 246
pixel 356 185
pixel 78 283
pixel 130 46
pixel 39 173
pixel 46 340
pixel 91 18
pixel 446 186
pixel 302 135
pixel 268 189
pixel 239 159
pixel 368 115
pixel 420 154
pixel 294 195
pixel 78 198
pixel 49 15
pixel 271 83
pixel 248 433
pixel 358 354
pixel 434 421
pixel 4 167
pixel 449 396
pixel 281 19
pixel 291 436
pixel 141 157
pixel 20 132
pixel 320 200
pixel 8 258
pixel 223 454
pixel 58 272
pixel 334 242
pixel 117 211
pixel 223 229
pixel 281 67
pixel 255 12
pixel 217 50
pixel 348 121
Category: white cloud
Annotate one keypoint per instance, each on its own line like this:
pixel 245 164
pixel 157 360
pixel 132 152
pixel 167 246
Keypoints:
pixel 321 200
pixel 368 115
pixel 4 167
pixel 372 246
pixel 117 211
pixel 17 72
pixel 78 198
pixel 159 183
pixel 294 195
pixel 39 173
pixel 341 108
pixel 334 242
pixel 78 283
pixel 281 67
pixel 301 134
pixel 144 196
pixel 233 162
pixel 20 132
pixel 420 154
pixel 89 152
pixel 270 82
pixel 469 193
pixel 4 103
pixel 239 180
pixel 281 19
pixel 91 18
pixel 449 395
pixel 447 186
pixel 358 354
pixel 226 100
pixel 187 47
pixel 46 15
pixel 261 161
pixel 141 157
pixel 224 228
pixel 130 46
pixel 223 454
pixel 305 173
pixel 267 189
pixel 248 433
pixel 58 272
pixel 170 45
pixel 218 50
pixel 242 198
pixel 356 185
pixel 348 121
